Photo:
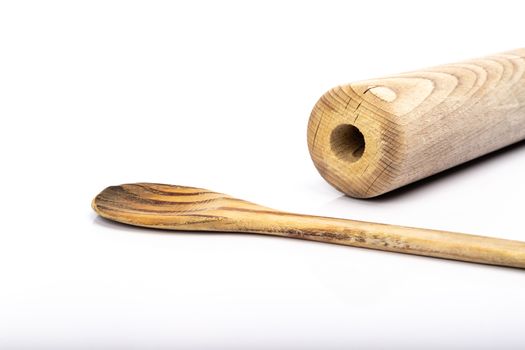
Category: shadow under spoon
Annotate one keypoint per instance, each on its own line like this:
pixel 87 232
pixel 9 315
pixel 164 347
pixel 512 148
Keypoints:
pixel 194 209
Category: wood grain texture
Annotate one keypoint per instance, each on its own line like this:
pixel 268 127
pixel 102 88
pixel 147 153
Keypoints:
pixel 371 137
pixel 195 209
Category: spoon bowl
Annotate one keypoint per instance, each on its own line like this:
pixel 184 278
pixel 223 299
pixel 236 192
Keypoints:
pixel 171 207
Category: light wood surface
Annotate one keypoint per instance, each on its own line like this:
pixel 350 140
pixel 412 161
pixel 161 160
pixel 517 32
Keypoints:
pixel 373 136
pixel 195 209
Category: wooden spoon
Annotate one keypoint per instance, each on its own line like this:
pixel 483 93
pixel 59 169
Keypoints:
pixel 195 209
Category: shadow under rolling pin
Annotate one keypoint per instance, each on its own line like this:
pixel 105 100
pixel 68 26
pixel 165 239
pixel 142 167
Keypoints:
pixel 371 137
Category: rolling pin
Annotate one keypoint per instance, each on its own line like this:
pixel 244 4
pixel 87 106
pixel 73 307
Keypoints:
pixel 371 137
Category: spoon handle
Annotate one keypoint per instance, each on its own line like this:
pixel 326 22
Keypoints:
pixel 400 239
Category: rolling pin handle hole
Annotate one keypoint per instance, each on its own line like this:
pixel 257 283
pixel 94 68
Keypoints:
pixel 347 142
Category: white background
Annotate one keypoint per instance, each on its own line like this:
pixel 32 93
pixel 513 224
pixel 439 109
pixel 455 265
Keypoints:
pixel 217 95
